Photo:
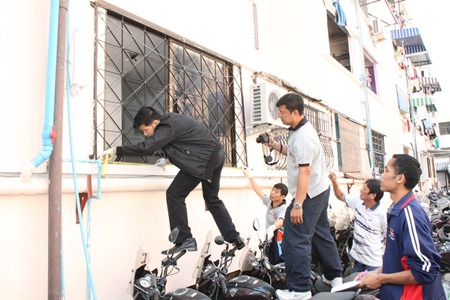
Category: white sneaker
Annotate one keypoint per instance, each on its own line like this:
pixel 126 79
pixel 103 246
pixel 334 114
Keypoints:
pixel 334 283
pixel 291 295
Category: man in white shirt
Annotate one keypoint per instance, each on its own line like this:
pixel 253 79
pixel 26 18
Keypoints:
pixel 369 234
pixel 306 221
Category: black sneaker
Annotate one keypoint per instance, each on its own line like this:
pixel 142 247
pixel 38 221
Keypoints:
pixel 190 244
pixel 239 243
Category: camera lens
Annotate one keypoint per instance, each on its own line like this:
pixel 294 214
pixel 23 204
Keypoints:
pixel 262 138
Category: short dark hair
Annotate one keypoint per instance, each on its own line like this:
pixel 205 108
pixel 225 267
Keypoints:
pixel 145 116
pixel 282 187
pixel 374 186
pixel 292 102
pixel 408 166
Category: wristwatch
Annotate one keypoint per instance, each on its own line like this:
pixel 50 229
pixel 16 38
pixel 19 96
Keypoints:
pixel 296 205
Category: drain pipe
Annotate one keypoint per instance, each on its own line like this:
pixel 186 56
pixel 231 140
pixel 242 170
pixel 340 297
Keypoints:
pixel 411 108
pixel 55 291
pixel 48 134
pixel 364 83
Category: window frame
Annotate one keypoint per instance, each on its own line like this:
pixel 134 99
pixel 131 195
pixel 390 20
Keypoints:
pixel 370 67
pixel 444 128
pixel 343 38
pixel 379 151
pixel 226 113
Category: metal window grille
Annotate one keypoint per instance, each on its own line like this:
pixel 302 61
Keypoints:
pixel 321 122
pixel 138 66
pixel 378 151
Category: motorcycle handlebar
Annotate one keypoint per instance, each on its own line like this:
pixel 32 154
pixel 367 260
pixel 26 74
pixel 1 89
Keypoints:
pixel 179 255
pixel 172 261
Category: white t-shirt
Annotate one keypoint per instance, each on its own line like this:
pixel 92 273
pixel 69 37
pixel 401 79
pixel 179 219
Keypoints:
pixel 305 149
pixel 369 232
pixel 274 213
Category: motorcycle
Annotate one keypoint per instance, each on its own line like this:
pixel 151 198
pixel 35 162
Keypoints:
pixel 442 244
pixel 259 266
pixel 212 278
pixel 149 285
pixel 319 287
pixel 441 239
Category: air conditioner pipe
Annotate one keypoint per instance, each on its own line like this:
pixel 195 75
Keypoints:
pixel 48 133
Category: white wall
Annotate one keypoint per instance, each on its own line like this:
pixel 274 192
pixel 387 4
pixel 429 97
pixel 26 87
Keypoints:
pixel 120 223
pixel 442 115
pixel 24 65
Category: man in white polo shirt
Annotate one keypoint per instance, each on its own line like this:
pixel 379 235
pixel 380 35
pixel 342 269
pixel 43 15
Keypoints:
pixel 369 234
pixel 306 221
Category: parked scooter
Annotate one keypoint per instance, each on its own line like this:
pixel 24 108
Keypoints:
pixel 149 285
pixel 213 278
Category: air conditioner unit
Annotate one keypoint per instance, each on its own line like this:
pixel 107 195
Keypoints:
pixel 378 30
pixel 264 97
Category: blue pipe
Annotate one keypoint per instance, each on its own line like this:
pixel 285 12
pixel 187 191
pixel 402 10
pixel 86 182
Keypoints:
pixel 47 141
pixel 48 133
pixel 91 285
pixel 88 246
pixel 85 237
pixel 99 171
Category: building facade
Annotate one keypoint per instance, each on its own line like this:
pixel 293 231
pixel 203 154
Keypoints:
pixel 224 63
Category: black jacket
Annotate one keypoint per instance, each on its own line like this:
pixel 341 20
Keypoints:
pixel 187 143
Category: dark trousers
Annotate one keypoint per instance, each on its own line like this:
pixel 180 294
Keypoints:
pixel 180 188
pixel 297 241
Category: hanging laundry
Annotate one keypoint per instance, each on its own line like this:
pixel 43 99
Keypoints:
pixel 399 56
pixel 415 86
pixel 341 19
pixel 410 70
pixel 415 74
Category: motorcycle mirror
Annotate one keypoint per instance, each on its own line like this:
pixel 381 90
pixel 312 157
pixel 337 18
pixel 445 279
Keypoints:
pixel 174 234
pixel 219 240
pixel 256 224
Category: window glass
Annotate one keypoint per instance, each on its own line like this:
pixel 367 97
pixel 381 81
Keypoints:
pixel 444 128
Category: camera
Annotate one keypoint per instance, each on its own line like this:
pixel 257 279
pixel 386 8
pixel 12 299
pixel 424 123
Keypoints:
pixel 262 138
